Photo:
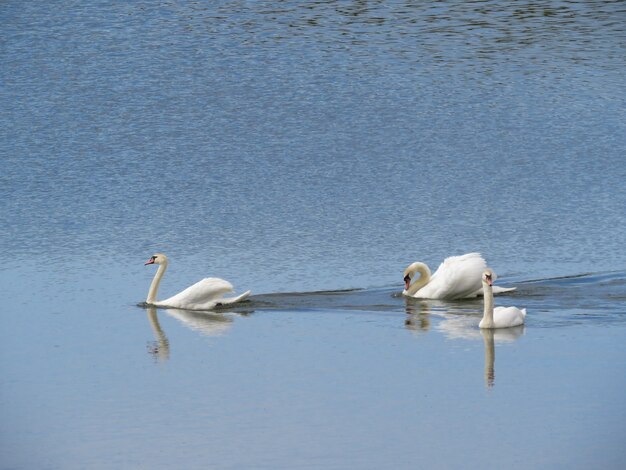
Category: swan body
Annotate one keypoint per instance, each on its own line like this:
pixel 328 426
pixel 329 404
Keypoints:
pixel 458 277
pixel 500 317
pixel 203 295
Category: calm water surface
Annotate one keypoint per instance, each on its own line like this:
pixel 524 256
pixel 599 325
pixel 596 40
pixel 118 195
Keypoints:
pixel 309 152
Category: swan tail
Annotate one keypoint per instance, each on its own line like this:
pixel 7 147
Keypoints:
pixel 502 290
pixel 234 300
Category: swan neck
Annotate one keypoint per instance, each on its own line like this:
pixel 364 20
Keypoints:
pixel 154 286
pixel 421 281
pixel 488 312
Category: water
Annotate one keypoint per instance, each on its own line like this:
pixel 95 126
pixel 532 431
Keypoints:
pixel 310 152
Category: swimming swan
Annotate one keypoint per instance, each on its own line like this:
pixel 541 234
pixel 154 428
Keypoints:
pixel 458 277
pixel 500 317
pixel 203 295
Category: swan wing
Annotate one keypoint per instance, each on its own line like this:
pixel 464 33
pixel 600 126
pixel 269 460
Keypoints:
pixel 204 294
pixel 457 277
pixel 234 300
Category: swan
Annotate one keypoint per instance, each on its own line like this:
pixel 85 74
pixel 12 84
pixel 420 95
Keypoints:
pixel 500 317
pixel 203 295
pixel 458 277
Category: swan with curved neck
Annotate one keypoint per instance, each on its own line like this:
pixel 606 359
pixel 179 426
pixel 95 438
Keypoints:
pixel 500 317
pixel 458 277
pixel 203 295
pixel 411 288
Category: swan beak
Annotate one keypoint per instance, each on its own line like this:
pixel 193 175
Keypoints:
pixel 150 261
pixel 407 282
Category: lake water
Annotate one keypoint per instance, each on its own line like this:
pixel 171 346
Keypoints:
pixel 309 151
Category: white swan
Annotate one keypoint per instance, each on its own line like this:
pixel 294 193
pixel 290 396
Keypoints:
pixel 203 295
pixel 500 317
pixel 458 277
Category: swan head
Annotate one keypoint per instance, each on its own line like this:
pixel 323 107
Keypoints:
pixel 489 277
pixel 411 270
pixel 157 258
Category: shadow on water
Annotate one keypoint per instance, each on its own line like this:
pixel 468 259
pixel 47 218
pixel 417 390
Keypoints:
pixel 481 31
pixel 377 299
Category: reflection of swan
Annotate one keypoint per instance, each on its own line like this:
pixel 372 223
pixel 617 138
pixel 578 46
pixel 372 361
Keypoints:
pixel 490 356
pixel 464 327
pixel 453 320
pixel 208 324
pixel 160 348
pixel 458 277
pixel 203 295
pixel 418 318
pixel 420 311
pixel 501 317
pixel 490 337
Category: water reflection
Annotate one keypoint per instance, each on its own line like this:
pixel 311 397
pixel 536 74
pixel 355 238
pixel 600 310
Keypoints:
pixel 418 318
pixel 489 338
pixel 419 312
pixel 464 327
pixel 490 356
pixel 160 348
pixel 459 322
pixel 206 323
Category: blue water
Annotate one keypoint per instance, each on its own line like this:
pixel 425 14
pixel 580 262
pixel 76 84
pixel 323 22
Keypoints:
pixel 309 152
